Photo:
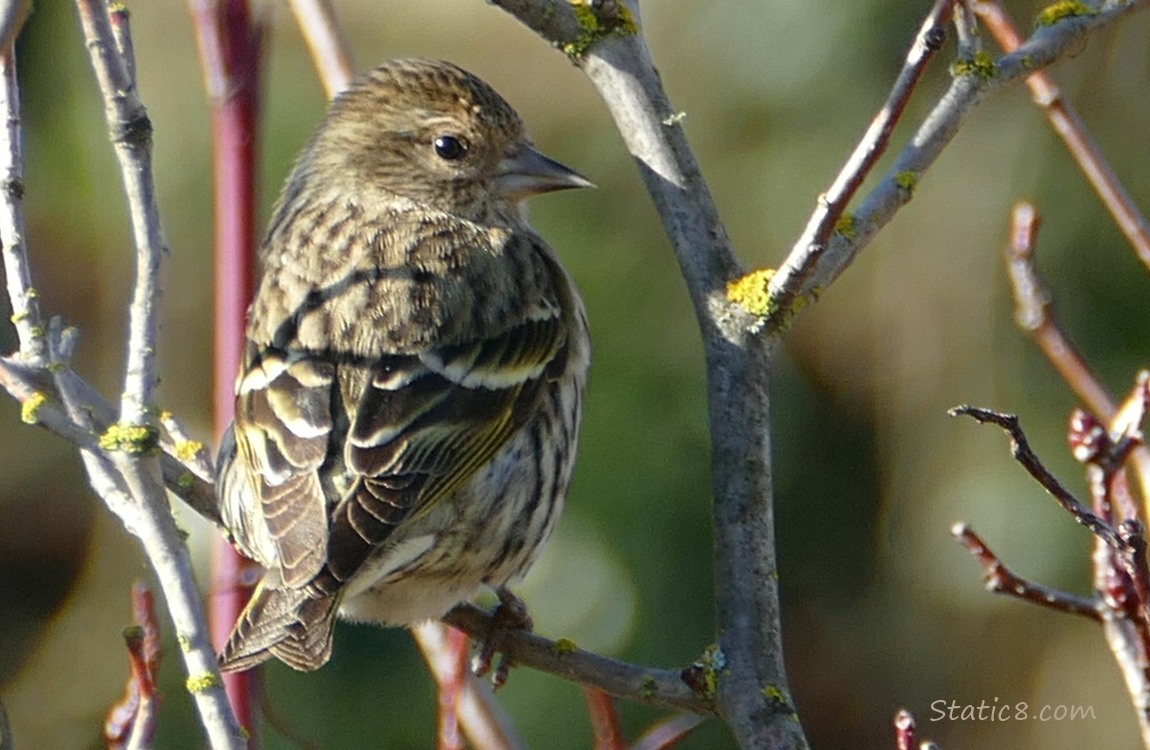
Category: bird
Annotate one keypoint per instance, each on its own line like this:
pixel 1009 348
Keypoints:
pixel 414 368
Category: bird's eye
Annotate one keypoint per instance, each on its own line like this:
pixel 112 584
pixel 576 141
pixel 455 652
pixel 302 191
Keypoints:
pixel 450 147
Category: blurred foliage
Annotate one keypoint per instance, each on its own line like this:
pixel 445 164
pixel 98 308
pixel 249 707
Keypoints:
pixel 882 610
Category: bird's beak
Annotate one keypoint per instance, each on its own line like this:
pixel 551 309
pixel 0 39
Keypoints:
pixel 526 172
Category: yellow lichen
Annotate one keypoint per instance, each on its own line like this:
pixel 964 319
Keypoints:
pixel 595 25
pixel 774 693
pixel 130 438
pixel 186 481
pixel 712 662
pixel 202 682
pixel 186 450
pixel 31 406
pixel 647 689
pixel 846 226
pixel 751 292
pixel 906 180
pixel 1052 14
pixel 564 646
pixel 982 66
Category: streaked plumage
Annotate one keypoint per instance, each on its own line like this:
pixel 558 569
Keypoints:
pixel 410 394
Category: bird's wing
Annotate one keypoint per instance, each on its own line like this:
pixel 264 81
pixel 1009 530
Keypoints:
pixel 426 423
pixel 282 428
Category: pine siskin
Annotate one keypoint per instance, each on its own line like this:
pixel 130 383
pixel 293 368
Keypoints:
pixel 412 384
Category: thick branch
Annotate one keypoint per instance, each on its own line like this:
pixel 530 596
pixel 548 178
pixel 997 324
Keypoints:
pixel 605 39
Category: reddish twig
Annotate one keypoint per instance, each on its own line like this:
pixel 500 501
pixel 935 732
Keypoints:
pixel 330 51
pixel 229 44
pixel 904 730
pixel 666 734
pixel 834 201
pixel 451 684
pixel 604 720
pixel 479 714
pixel 1000 580
pixel 1034 315
pixel 131 722
pixel 1069 126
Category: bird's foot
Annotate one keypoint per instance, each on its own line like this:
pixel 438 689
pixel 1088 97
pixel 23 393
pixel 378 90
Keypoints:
pixel 511 614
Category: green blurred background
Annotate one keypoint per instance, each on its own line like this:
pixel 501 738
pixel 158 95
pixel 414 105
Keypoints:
pixel 881 608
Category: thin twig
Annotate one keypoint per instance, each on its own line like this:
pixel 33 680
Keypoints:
pixel 1020 449
pixel 904 730
pixel 667 733
pixel 194 454
pixel 131 134
pixel 330 51
pixel 13 14
pixel 655 687
pixel 605 729
pixel 483 719
pixel 131 723
pixel 832 203
pixel 972 84
pixel 1069 126
pixel 132 458
pixel 38 396
pixel 1034 314
pixel 1000 580
pixel 21 294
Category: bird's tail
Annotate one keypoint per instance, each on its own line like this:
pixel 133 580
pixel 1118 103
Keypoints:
pixel 293 625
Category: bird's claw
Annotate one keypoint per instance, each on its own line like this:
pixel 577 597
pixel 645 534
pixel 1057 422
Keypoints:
pixel 511 614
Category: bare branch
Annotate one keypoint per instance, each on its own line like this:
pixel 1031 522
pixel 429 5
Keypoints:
pixel 1069 126
pixel 40 404
pixel 108 40
pixel 974 81
pixel 483 719
pixel 1034 314
pixel 125 465
pixel 831 205
pixel 656 687
pixel 330 51
pixel 22 295
pixel 1020 449
pixel 904 730
pixel 666 733
pixel 1000 580
pixel 604 720
pixel 13 14
pixel 131 722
